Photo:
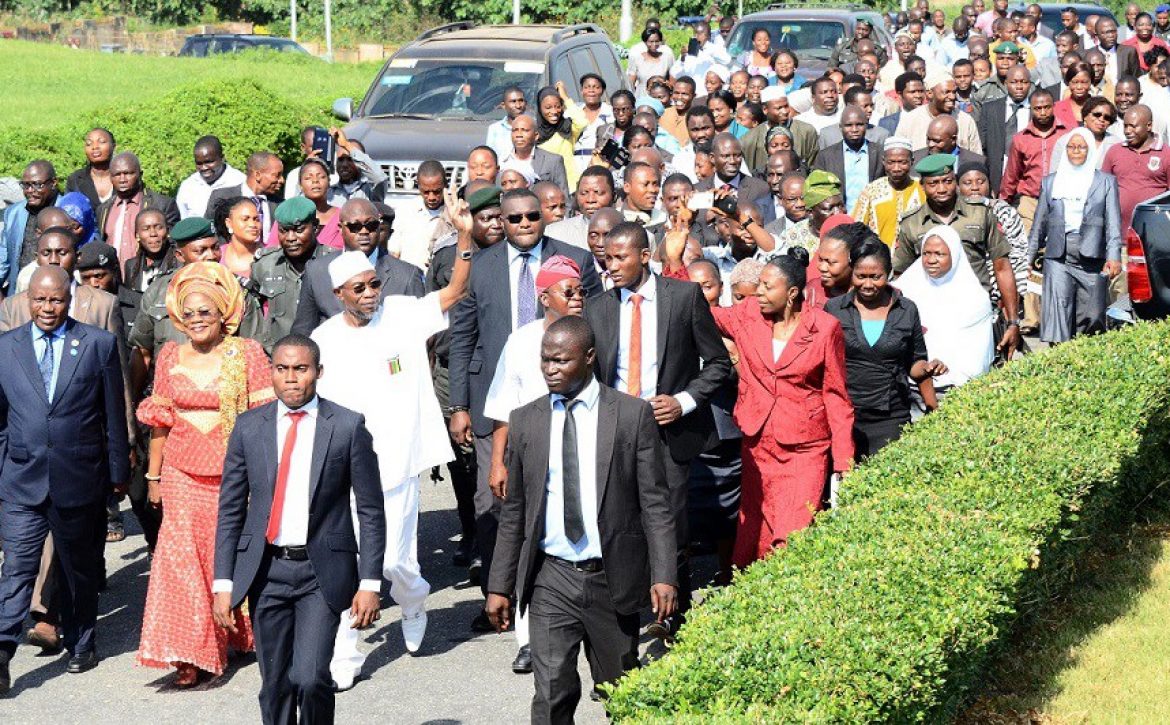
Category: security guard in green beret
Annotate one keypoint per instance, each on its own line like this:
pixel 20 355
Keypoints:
pixel 277 272
pixel 1003 56
pixel 195 241
pixel 983 241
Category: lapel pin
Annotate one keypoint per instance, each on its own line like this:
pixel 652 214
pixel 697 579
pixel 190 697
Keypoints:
pixel 76 343
pixel 73 352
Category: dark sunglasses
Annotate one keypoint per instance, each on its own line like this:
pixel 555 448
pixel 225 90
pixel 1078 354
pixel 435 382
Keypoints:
pixel 370 225
pixel 1104 115
pixel 532 216
pixel 359 288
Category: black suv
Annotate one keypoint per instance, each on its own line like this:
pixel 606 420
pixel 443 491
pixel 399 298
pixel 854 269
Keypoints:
pixel 436 97
pixel 201 46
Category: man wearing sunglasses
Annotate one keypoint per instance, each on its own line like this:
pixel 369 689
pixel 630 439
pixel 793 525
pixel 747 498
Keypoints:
pixel 278 271
pixel 376 353
pixel 1030 156
pixel 481 324
pixel 360 227
pixel 39 184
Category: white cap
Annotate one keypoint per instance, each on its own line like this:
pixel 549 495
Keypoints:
pixel 348 265
pixel 937 76
pixel 722 71
pixel 772 93
pixel 897 142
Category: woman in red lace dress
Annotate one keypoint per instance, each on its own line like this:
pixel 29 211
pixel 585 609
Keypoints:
pixel 200 387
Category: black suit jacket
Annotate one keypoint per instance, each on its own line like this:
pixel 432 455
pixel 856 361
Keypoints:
pixel 691 357
pixel 481 323
pixel 317 302
pixel 993 133
pixel 832 159
pixel 343 462
pixel 151 200
pixel 71 449
pixel 1127 62
pixel 633 509
pixel 81 181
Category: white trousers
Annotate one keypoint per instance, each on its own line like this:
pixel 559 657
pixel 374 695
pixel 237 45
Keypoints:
pixel 400 568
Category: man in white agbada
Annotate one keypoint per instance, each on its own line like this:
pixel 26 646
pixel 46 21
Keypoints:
pixel 377 359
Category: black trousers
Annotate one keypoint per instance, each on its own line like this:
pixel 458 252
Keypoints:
pixel 294 630
pixel 79 534
pixel 569 608
pixel 678 480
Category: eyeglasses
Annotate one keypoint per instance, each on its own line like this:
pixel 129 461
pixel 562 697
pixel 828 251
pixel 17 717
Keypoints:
pixel 360 288
pixel 370 225
pixel 203 314
pixel 37 185
pixel 574 293
pixel 1104 115
pixel 532 216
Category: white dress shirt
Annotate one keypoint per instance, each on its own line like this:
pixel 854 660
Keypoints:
pixel 556 541
pixel 294 515
pixel 194 192
pixel 518 379
pixel 416 229
pixel 649 293
pixel 514 276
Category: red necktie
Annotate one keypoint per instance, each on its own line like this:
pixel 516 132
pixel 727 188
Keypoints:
pixel 290 442
pixel 634 378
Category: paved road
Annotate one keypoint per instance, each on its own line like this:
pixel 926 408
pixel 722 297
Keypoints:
pixel 456 677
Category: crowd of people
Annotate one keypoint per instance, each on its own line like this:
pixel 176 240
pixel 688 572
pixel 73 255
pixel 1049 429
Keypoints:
pixel 641 326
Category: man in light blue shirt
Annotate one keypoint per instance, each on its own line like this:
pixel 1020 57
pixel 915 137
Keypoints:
pixel 954 46
pixel 499 133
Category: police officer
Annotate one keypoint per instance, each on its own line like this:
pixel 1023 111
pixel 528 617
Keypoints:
pixel 194 241
pixel 277 271
pixel 977 227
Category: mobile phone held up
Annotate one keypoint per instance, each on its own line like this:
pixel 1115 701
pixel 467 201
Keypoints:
pixel 616 156
pixel 324 145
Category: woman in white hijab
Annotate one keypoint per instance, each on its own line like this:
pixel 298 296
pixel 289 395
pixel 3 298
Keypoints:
pixel 1078 225
pixel 955 310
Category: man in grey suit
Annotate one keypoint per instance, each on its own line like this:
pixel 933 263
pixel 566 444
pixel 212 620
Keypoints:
pixel 285 537
pixel 502 298
pixel 586 533
pixel 545 166
pixel 1125 56
pixel 360 221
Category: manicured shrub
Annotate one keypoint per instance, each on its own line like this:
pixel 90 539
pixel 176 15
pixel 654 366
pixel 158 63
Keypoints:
pixel 889 607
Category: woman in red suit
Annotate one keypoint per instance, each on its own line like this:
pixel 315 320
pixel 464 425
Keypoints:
pixel 792 406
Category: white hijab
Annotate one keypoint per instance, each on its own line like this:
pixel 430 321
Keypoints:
pixel 1072 181
pixel 955 311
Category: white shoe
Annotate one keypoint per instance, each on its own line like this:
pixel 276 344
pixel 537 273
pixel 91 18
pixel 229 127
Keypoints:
pixel 343 684
pixel 413 629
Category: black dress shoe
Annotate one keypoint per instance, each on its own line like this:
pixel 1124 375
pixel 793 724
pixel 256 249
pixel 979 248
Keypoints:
pixel 5 677
pixel 464 553
pixel 482 623
pixel 667 628
pixel 474 571
pixel 522 665
pixel 83 662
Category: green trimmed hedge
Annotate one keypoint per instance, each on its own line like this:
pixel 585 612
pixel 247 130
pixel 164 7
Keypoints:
pixel 246 116
pixel 890 607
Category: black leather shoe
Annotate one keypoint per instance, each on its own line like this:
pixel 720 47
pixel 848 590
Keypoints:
pixel 667 628
pixel 475 571
pixel 464 553
pixel 83 662
pixel 5 677
pixel 522 665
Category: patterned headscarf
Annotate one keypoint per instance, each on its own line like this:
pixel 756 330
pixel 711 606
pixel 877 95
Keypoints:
pixel 77 206
pixel 217 283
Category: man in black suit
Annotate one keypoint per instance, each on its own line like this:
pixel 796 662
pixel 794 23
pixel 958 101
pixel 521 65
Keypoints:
pixel 285 537
pixel 586 531
pixel 678 366
pixel 1126 60
pixel 728 154
pixel 855 144
pixel 1001 118
pixel 502 298
pixel 63 449
pixel 265 177
pixel 360 222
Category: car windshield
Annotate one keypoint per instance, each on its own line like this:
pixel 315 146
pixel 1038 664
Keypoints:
pixel 812 39
pixel 457 89
pixel 284 46
pixel 1050 17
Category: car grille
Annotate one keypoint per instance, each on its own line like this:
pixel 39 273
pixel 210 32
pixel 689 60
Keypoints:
pixel 402 176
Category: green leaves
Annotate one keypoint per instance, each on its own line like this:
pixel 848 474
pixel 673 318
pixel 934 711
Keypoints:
pixel 889 608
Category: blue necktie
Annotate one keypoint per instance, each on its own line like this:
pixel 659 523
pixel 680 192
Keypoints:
pixel 46 364
pixel 525 293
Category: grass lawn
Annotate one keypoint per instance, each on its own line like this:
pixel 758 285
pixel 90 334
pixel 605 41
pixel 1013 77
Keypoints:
pixel 1102 655
pixel 53 83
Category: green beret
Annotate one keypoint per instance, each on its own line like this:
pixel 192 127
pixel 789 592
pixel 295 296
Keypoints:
pixel 820 185
pixel 1008 47
pixel 488 196
pixel 293 211
pixel 190 229
pixel 935 165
